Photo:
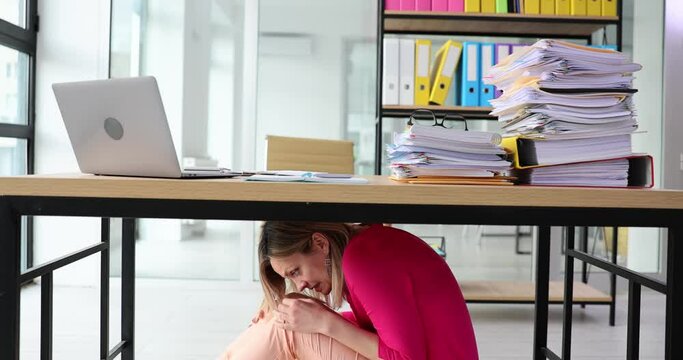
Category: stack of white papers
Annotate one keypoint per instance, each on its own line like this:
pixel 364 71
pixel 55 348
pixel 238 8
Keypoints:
pixel 572 107
pixel 555 89
pixel 574 150
pixel 434 151
pixel 555 61
pixel 612 173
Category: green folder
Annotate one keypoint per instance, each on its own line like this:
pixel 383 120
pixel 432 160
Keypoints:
pixel 502 6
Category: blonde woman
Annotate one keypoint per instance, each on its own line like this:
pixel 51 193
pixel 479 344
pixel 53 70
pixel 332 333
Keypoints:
pixel 405 301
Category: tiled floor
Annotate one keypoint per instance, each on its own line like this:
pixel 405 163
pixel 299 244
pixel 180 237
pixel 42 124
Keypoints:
pixel 196 319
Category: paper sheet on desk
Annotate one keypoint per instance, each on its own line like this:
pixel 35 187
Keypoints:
pixel 304 176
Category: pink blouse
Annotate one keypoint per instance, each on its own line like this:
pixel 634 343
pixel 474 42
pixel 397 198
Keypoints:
pixel 399 288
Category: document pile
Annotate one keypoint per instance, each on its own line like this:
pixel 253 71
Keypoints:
pixel 437 155
pixel 563 104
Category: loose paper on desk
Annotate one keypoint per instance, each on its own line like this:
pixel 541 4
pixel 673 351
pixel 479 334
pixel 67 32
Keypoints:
pixel 307 176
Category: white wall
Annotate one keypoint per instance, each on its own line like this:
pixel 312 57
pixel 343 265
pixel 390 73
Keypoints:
pixel 673 77
pixel 196 67
pixel 163 57
pixel 73 44
pixel 648 43
pixel 648 35
pixel 673 106
pixel 244 138
pixel 301 94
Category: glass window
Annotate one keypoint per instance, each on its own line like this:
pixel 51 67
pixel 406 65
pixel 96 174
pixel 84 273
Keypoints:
pixel 13 86
pixel 359 111
pixel 12 156
pixel 643 36
pixel 13 11
pixel 194 50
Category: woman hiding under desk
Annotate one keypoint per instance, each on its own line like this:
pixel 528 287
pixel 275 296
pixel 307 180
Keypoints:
pixel 405 301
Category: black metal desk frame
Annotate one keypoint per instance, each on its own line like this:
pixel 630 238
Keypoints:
pixel 13 207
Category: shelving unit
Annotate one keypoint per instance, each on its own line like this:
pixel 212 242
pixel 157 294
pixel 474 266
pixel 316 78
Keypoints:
pixel 521 292
pixel 474 24
pixel 491 25
pixel 511 25
pixel 403 111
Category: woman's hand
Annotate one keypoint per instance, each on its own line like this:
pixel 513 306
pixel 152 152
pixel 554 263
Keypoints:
pixel 259 316
pixel 305 315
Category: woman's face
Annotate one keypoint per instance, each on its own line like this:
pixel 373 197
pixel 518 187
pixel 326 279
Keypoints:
pixel 307 271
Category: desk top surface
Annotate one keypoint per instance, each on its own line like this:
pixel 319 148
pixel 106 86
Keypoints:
pixel 379 190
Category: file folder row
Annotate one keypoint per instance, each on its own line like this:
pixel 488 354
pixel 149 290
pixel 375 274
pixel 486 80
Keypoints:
pixel 410 77
pixel 478 58
pixel 568 115
pixel 544 7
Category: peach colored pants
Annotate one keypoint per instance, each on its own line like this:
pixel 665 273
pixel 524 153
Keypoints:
pixel 265 341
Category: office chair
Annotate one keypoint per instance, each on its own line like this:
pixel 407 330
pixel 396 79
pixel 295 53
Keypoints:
pixel 291 153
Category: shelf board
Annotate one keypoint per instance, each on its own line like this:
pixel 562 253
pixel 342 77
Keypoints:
pixel 512 25
pixel 524 292
pixel 469 112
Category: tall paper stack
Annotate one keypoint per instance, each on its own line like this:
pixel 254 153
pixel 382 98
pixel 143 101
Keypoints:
pixel 564 103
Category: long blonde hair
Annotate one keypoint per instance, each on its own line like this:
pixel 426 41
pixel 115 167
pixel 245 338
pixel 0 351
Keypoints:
pixel 282 238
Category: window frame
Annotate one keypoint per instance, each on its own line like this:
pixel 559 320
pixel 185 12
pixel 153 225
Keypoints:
pixel 24 40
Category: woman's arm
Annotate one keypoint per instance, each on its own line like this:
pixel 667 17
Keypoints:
pixel 360 340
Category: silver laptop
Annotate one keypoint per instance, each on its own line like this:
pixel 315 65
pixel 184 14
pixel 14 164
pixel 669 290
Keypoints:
pixel 119 127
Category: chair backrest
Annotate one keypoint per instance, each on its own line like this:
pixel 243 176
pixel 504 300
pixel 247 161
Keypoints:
pixel 290 153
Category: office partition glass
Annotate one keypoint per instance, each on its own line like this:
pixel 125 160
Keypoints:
pixel 13 11
pixel 13 86
pixel 640 249
pixel 360 81
pixel 194 50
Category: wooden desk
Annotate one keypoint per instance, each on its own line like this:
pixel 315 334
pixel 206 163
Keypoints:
pixel 379 201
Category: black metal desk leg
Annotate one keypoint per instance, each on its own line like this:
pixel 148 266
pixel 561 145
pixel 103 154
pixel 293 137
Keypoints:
pixel 104 291
pixel 584 265
pixel 613 276
pixel 46 316
pixel 10 242
pixel 568 297
pixel 128 289
pixel 674 295
pixel 541 304
pixel 633 328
